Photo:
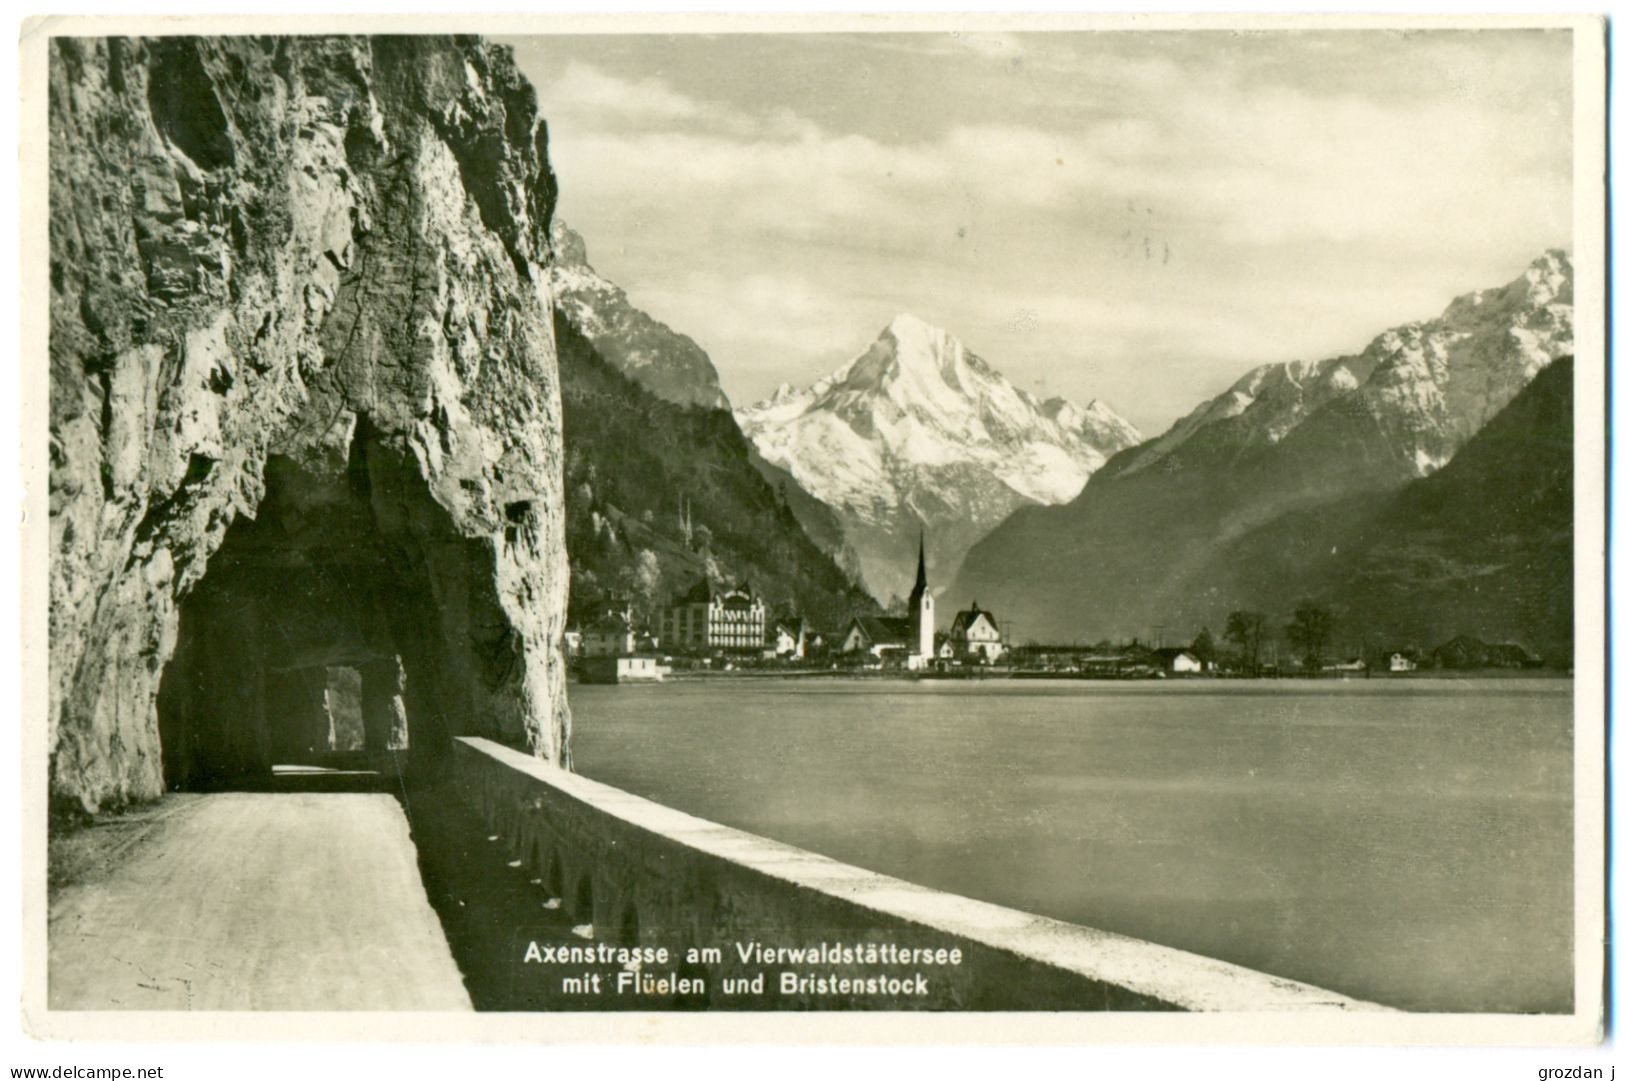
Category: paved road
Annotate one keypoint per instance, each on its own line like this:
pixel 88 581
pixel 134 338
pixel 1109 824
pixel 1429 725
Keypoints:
pixel 257 901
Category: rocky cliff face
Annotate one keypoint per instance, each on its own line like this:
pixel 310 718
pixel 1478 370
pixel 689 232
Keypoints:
pixel 303 397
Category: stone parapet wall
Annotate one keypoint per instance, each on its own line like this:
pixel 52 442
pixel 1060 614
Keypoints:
pixel 644 874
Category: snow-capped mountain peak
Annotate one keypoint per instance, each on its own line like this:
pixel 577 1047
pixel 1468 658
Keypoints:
pixel 912 363
pixel 1427 385
pixel 919 429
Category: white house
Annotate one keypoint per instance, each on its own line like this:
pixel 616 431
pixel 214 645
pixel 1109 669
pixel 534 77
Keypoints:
pixel 790 640
pixel 876 635
pixel 634 669
pixel 975 633
pixel 1178 662
pixel 610 637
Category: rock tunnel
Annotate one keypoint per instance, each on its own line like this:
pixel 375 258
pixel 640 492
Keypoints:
pixel 305 436
pixel 316 633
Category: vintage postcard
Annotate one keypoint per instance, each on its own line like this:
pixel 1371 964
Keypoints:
pixel 911 528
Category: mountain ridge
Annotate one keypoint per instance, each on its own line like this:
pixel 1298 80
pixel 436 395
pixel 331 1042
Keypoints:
pixel 667 363
pixel 1483 546
pixel 659 495
pixel 1283 437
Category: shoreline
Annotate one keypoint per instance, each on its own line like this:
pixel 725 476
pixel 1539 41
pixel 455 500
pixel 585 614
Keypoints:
pixel 1038 675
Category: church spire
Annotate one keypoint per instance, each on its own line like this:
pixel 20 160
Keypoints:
pixel 921 616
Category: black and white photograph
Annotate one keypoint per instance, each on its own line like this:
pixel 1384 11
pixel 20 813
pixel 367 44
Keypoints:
pixel 709 527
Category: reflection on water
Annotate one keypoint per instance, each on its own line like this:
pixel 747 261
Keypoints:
pixel 1406 841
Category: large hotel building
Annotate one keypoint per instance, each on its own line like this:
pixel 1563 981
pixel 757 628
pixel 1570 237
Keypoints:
pixel 710 617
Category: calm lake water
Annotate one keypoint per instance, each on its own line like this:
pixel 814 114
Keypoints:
pixel 1405 841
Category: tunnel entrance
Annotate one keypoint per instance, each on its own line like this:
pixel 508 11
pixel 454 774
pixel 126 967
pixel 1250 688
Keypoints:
pixel 311 646
pixel 286 661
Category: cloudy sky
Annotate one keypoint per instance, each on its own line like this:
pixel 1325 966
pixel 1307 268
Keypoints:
pixel 1134 216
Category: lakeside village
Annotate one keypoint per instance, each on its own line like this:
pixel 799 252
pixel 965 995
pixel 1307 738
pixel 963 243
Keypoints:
pixel 716 629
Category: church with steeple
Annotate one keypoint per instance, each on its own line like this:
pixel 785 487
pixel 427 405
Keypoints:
pixel 922 618
pixel 911 641
pixel 895 639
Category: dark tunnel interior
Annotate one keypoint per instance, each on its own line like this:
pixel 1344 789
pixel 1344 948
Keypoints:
pixel 309 645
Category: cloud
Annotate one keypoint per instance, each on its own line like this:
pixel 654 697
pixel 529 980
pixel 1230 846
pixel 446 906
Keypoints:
pixel 586 91
pixel 1280 167
pixel 1149 201
pixel 594 99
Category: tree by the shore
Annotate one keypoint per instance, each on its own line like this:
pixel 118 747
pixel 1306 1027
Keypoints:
pixel 1310 630
pixel 1204 648
pixel 1246 630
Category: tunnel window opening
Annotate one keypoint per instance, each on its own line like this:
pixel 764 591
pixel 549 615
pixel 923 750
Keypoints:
pixel 324 749
pixel 343 700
